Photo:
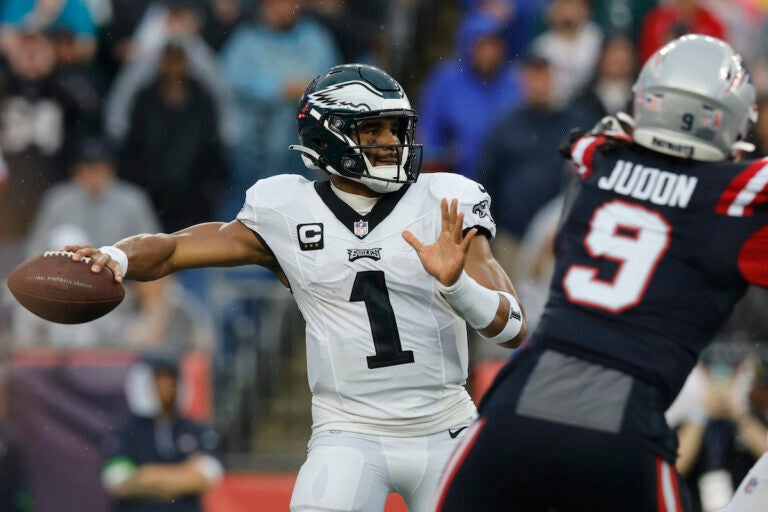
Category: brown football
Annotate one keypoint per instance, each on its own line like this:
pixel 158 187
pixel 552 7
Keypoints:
pixel 59 289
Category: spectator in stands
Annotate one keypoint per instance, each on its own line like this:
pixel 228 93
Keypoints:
pixel 269 64
pixel 725 430
pixel 519 17
pixel 759 64
pixel 535 259
pixel 610 89
pixel 355 36
pixel 742 20
pixel 116 39
pixel 14 487
pixel 173 149
pixel 14 472
pixel 221 20
pixel 41 15
pixel 179 22
pixel 41 119
pixel 101 12
pixel 164 316
pixel 92 205
pixel 94 201
pixel 519 160
pixel 674 19
pixel 621 16
pixel 463 96
pixel 571 44
pixel 76 74
pixel 158 459
pixel 759 133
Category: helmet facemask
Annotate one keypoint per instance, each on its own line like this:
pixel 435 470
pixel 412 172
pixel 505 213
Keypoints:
pixel 358 161
pixel 339 151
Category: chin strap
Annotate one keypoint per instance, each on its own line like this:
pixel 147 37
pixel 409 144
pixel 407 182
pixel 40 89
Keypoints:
pixel 310 157
pixel 612 127
pixel 741 145
pixel 626 119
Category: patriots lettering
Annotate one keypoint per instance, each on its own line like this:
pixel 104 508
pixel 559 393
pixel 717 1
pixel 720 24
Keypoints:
pixel 683 149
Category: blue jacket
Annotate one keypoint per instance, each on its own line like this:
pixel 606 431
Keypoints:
pixel 74 15
pixel 520 163
pixel 457 106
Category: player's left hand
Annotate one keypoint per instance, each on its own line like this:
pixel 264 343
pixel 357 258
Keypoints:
pixel 444 259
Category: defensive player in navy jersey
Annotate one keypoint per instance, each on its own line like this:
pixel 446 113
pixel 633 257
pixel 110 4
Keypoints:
pixel 660 238
pixel 387 267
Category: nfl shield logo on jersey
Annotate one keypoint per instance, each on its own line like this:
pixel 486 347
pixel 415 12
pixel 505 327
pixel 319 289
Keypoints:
pixel 361 228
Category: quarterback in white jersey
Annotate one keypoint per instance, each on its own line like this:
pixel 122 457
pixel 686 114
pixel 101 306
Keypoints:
pixel 387 271
pixel 385 354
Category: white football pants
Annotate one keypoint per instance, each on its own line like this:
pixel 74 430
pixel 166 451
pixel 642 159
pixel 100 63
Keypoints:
pixel 752 494
pixel 350 472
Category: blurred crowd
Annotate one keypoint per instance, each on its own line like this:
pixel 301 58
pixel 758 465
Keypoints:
pixel 126 116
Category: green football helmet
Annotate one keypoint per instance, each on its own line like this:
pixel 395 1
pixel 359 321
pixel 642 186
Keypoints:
pixel 333 107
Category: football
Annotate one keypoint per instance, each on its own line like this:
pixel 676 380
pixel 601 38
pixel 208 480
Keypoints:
pixel 59 289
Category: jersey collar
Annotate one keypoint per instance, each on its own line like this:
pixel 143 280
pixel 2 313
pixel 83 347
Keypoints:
pixel 349 217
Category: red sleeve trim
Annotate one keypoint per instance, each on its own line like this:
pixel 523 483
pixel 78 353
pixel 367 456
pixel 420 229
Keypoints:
pixel 753 258
pixel 747 189
pixel 582 153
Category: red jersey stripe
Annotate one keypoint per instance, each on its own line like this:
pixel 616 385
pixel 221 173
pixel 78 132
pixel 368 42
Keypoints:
pixel 582 154
pixel 745 190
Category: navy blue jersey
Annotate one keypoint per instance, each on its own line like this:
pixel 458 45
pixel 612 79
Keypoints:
pixel 652 254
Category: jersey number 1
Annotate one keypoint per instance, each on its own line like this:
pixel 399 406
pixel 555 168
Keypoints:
pixel 630 235
pixel 371 288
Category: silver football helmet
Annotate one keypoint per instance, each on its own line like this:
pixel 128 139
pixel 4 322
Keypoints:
pixel 694 99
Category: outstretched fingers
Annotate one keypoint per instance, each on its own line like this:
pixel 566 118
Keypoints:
pixel 467 239
pixel 445 215
pixel 414 242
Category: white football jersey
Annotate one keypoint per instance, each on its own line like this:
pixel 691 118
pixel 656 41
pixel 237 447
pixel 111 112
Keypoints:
pixel 385 353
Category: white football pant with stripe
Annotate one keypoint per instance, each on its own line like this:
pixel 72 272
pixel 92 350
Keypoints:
pixel 752 494
pixel 351 472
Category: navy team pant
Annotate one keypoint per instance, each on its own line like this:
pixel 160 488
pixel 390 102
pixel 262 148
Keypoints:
pixel 512 463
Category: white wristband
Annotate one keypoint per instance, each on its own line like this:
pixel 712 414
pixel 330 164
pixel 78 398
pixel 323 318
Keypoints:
pixel 118 255
pixel 513 325
pixel 116 472
pixel 471 301
pixel 210 467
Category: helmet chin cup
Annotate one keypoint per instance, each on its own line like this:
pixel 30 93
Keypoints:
pixel 383 178
pixel 380 186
